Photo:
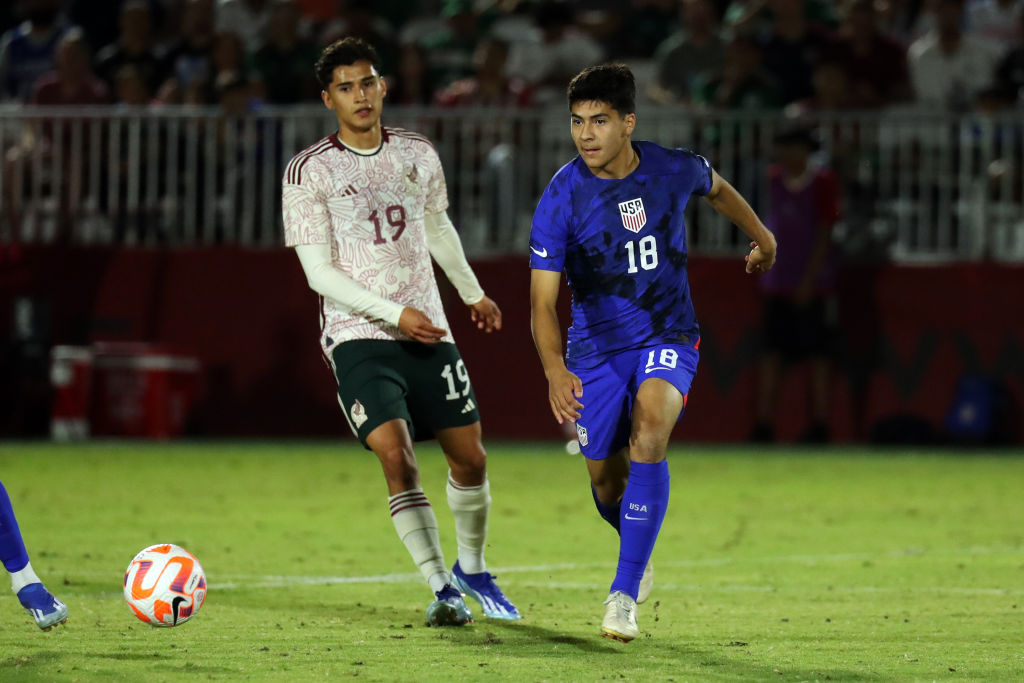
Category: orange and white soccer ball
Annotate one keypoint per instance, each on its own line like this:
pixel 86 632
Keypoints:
pixel 164 585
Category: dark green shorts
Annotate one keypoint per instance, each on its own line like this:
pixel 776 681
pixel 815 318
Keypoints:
pixel 425 385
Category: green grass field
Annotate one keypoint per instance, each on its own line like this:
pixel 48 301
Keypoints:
pixel 773 564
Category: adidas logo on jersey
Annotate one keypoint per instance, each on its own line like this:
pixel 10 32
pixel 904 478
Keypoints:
pixel 470 405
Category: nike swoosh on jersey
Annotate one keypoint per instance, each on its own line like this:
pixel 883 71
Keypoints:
pixel 543 253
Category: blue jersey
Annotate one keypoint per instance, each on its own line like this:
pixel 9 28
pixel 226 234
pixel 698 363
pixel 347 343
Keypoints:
pixel 622 244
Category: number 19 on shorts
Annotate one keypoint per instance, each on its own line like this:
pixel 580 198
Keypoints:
pixel 463 377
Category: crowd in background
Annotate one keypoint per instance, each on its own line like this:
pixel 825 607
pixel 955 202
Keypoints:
pixel 802 55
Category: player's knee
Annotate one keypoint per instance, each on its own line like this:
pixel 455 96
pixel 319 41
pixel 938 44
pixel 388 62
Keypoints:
pixel 469 464
pixel 648 445
pixel 400 467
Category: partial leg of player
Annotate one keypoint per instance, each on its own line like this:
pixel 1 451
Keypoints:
pixel 47 610
pixel 469 497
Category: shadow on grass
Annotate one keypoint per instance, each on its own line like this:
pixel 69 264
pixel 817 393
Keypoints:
pixel 675 659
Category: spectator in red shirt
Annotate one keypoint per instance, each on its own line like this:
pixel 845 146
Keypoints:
pixel 799 310
pixel 72 82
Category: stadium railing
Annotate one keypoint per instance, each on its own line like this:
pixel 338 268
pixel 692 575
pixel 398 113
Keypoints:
pixel 917 186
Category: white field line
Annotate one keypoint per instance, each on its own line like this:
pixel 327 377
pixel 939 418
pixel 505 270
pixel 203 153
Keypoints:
pixel 279 581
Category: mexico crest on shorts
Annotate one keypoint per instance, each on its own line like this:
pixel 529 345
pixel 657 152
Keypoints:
pixel 633 216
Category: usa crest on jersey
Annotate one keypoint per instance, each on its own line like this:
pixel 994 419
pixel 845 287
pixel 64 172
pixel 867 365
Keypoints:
pixel 633 216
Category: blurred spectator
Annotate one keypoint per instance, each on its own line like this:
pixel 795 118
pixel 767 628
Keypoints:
pixel 742 83
pixel 249 19
pixel 831 92
pixel 133 47
pixel 995 21
pixel 630 28
pixel 799 316
pixel 451 48
pixel 232 91
pixel 792 47
pixel 284 62
pixel 513 20
pixel 948 67
pixel 490 87
pixel 131 88
pixel 553 52
pixel 1009 76
pixel 227 63
pixel 360 19
pixel 72 81
pixel 189 57
pixel 27 50
pixel 903 20
pixel 648 25
pixel 757 16
pixel 874 63
pixel 696 48
pixel 411 84
pixel 318 11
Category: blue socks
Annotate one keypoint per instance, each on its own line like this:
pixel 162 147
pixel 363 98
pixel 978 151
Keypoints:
pixel 12 548
pixel 642 511
pixel 610 513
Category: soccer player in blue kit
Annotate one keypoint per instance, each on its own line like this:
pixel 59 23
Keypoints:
pixel 612 218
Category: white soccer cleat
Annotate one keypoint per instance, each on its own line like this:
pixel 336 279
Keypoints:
pixel 646 584
pixel 620 618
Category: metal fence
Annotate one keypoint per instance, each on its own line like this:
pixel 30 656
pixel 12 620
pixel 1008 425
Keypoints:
pixel 917 186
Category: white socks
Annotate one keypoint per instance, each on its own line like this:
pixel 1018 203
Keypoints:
pixel 470 505
pixel 23 577
pixel 416 525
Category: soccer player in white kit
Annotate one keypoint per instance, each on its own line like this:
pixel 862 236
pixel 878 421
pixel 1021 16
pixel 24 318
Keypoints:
pixel 364 209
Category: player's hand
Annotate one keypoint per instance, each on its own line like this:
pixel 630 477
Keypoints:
pixel 486 314
pixel 416 325
pixel 760 260
pixel 564 391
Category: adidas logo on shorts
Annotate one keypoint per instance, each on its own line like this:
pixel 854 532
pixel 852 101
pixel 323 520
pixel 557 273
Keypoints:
pixel 469 406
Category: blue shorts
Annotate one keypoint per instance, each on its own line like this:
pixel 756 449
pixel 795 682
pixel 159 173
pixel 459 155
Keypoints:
pixel 610 388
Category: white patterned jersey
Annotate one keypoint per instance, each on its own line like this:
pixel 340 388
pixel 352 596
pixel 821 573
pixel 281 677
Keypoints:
pixel 369 208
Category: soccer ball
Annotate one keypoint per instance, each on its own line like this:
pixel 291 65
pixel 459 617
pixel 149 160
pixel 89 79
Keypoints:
pixel 164 585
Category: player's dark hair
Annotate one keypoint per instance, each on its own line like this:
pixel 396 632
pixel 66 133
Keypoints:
pixel 343 53
pixel 611 83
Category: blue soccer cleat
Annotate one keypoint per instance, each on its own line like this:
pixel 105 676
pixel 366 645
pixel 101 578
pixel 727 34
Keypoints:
pixel 481 587
pixel 449 609
pixel 47 610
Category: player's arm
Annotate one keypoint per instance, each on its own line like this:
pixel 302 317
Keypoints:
pixel 446 248
pixel 327 280
pixel 724 198
pixel 564 388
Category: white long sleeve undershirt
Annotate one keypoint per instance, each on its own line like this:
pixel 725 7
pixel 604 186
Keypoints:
pixel 444 246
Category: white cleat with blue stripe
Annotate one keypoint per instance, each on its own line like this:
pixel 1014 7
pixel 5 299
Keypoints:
pixel 481 587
